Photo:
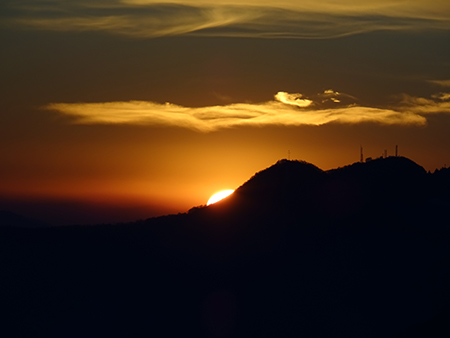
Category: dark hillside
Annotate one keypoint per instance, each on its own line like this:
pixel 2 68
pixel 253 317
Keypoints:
pixel 379 188
pixel 286 180
pixel 359 251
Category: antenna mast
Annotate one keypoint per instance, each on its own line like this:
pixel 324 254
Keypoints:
pixel 361 153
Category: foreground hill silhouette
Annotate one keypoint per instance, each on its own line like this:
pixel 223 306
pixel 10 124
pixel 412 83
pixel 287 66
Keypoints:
pixel 358 251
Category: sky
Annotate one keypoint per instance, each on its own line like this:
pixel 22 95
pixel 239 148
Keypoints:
pixel 113 111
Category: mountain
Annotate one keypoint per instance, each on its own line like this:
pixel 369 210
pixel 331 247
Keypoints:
pixel 386 190
pixel 358 251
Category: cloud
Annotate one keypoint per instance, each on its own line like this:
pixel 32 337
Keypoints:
pixel 442 83
pixel 440 104
pixel 441 96
pixel 285 110
pixel 150 22
pixel 292 99
pixel 306 19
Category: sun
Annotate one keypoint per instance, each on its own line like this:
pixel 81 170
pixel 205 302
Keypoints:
pixel 219 196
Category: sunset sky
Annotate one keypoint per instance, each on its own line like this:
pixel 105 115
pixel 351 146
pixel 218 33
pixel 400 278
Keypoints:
pixel 126 109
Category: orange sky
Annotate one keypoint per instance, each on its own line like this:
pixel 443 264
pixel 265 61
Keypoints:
pixel 122 110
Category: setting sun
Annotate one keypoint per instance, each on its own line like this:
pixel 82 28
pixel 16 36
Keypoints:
pixel 219 196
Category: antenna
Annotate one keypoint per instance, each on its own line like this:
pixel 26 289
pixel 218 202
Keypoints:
pixel 362 156
pixel 396 151
pixel 385 153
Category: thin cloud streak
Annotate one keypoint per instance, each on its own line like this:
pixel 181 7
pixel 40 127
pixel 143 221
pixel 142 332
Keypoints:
pixel 208 119
pixel 440 104
pixel 161 20
pixel 258 19
pixel 394 8
pixel 442 83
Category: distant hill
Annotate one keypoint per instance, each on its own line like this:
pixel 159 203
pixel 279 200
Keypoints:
pixel 9 219
pixel 358 251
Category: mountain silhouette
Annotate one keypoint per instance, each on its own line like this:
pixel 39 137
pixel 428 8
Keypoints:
pixel 358 251
pixel 381 188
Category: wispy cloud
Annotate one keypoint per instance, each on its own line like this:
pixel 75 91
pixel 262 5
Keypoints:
pixel 441 96
pixel 439 104
pixel 149 22
pixel 442 83
pixel 285 110
pixel 232 18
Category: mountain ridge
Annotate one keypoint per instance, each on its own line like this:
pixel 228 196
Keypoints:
pixel 393 182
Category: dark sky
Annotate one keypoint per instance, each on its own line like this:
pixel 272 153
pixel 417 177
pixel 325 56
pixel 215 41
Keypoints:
pixel 118 110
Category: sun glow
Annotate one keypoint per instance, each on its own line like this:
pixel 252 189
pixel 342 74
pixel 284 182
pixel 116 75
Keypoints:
pixel 219 196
